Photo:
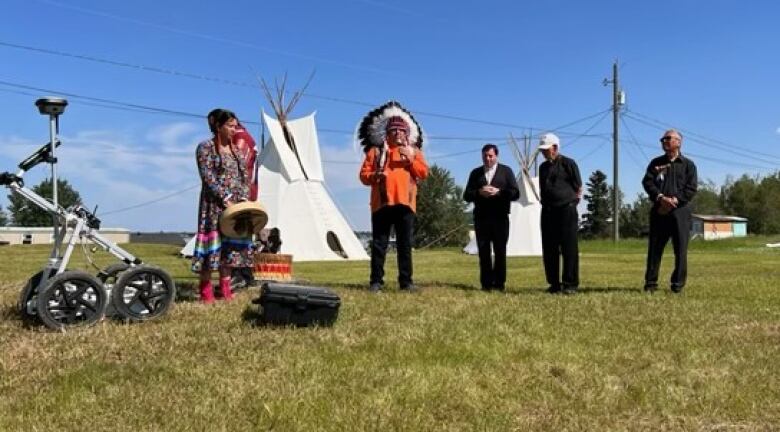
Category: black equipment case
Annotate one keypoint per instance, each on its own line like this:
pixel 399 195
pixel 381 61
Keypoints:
pixel 299 305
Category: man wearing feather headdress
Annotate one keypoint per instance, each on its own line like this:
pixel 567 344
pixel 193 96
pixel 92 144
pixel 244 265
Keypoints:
pixel 393 165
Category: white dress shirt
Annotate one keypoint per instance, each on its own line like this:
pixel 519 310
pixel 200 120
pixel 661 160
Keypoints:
pixel 490 173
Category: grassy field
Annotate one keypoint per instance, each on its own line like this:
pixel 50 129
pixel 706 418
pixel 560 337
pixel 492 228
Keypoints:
pixel 449 358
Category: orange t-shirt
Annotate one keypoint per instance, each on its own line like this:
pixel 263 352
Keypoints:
pixel 400 183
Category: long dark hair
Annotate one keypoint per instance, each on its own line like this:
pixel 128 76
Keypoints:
pixel 216 119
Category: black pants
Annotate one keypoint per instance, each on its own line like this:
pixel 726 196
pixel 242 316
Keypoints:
pixel 492 231
pixel 676 225
pixel 401 218
pixel 559 237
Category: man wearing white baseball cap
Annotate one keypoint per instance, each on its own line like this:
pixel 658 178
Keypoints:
pixel 560 185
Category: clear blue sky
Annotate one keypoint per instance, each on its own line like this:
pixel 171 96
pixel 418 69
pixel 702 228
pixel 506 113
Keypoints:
pixel 708 67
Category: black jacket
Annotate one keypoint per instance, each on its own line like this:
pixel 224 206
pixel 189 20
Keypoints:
pixel 559 182
pixel 504 180
pixel 672 179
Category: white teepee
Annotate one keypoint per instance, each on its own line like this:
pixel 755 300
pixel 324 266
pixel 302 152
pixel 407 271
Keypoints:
pixel 189 247
pixel 292 190
pixel 525 234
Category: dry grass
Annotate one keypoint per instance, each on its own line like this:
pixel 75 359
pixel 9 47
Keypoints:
pixel 450 358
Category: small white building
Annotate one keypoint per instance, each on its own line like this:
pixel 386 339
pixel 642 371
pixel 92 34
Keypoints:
pixel 45 235
pixel 714 227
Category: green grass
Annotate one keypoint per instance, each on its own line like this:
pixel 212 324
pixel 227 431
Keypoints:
pixel 449 358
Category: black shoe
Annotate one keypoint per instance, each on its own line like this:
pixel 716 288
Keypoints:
pixel 409 288
pixel 569 290
pixel 650 287
pixel 500 288
pixel 375 287
pixel 677 288
pixel 553 289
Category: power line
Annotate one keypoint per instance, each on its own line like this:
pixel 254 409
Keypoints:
pixel 119 105
pixel 722 145
pixel 592 152
pixel 161 70
pixel 156 200
pixel 604 114
pixel 696 140
pixel 168 71
pixel 728 162
pixel 633 138
pixel 144 68
pixel 211 38
pixel 581 120
pixel 633 158
pixel 108 101
pixel 712 159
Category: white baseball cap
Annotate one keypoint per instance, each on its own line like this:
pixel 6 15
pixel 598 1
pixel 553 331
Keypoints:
pixel 548 140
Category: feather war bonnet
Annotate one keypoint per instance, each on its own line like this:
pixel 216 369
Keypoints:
pixel 372 129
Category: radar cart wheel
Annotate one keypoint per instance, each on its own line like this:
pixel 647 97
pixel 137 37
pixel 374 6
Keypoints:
pixel 143 293
pixel 71 298
pixel 28 296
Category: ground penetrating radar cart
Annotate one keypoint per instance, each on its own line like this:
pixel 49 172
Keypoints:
pixel 61 298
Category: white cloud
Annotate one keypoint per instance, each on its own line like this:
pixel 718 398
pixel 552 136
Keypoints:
pixel 177 137
pixel 778 131
pixel 341 166
pixel 116 171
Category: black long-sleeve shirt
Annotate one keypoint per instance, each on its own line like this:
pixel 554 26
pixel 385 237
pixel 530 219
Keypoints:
pixel 676 178
pixel 559 182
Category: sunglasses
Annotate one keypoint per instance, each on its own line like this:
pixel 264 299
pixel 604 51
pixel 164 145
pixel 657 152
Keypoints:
pixel 668 138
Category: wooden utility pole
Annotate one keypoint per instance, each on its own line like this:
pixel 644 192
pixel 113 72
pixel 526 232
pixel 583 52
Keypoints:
pixel 616 102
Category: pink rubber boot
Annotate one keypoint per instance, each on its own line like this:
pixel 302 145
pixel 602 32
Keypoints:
pixel 206 292
pixel 224 286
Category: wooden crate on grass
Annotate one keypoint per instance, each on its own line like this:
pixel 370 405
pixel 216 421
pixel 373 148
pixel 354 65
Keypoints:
pixel 276 267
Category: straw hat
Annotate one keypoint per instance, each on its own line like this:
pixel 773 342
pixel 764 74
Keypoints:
pixel 243 219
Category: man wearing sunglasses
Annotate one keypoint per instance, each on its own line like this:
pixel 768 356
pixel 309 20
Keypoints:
pixel 671 183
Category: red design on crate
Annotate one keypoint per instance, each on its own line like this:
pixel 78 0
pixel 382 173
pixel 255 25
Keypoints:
pixel 275 267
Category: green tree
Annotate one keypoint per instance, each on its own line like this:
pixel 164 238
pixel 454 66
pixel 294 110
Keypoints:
pixel 598 198
pixel 3 217
pixel 707 200
pixel 741 198
pixel 767 209
pixel 441 212
pixel 635 217
pixel 25 213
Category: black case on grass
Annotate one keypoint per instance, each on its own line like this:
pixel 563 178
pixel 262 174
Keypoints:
pixel 289 304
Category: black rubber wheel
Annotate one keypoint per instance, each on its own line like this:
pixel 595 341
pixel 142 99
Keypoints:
pixel 143 293
pixel 71 298
pixel 110 274
pixel 27 299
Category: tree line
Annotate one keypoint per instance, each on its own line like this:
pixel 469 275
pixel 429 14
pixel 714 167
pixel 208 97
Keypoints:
pixel 755 198
pixel 442 219
pixel 25 213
